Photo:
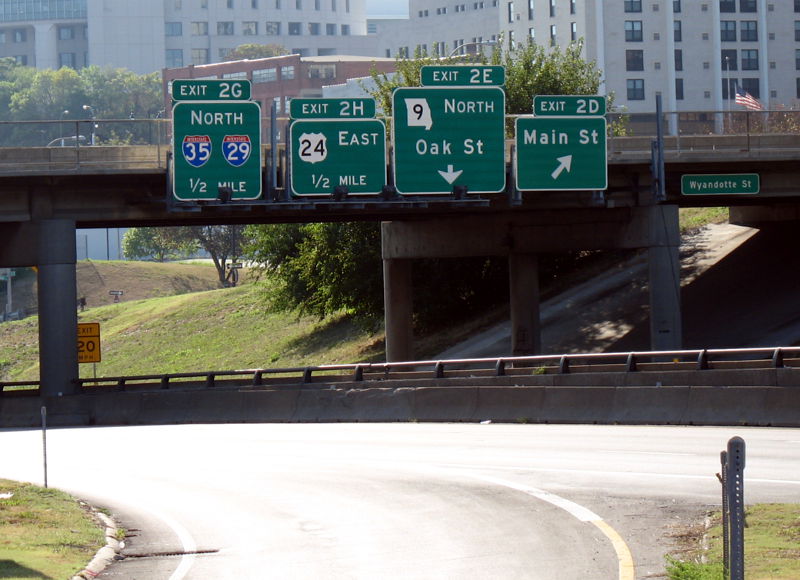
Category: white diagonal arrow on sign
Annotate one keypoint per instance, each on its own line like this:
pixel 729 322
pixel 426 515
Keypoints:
pixel 563 163
pixel 450 176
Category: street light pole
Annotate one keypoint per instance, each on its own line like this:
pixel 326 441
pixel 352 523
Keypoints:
pixel 91 116
pixel 466 44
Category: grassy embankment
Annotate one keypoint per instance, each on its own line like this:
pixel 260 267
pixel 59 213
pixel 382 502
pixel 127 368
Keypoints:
pixel 771 540
pixel 44 533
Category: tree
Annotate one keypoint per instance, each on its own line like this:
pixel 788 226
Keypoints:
pixel 324 268
pixel 320 269
pixel 158 244
pixel 254 51
pixel 221 243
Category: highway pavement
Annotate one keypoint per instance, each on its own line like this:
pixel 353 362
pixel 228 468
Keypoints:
pixel 402 500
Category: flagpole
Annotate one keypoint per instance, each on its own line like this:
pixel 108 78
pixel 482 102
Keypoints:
pixel 728 85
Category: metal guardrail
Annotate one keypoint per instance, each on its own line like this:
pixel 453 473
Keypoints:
pixel 372 375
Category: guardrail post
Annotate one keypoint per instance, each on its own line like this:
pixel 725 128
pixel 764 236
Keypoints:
pixel 438 370
pixel 209 380
pixel 165 382
pixel 500 368
pixel 702 361
pixel 257 379
pixel 307 375
pixel 358 374
pixel 777 358
pixel 563 365
pixel 630 363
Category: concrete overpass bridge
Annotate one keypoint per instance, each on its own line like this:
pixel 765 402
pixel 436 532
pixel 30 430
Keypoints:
pixel 48 192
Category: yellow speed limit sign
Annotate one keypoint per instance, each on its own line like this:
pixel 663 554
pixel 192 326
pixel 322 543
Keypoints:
pixel 88 342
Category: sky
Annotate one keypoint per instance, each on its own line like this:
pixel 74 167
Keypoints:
pixel 383 8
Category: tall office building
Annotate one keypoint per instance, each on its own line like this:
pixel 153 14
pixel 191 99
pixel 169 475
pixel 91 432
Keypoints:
pixel 148 35
pixel 692 53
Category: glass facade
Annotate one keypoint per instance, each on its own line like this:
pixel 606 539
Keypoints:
pixel 21 10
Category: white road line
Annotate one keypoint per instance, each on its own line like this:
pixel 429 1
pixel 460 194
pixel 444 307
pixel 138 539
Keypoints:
pixel 626 569
pixel 187 543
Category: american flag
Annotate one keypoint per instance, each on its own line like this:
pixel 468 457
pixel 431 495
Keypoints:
pixel 747 100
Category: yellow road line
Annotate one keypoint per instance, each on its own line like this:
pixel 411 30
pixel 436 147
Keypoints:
pixel 626 568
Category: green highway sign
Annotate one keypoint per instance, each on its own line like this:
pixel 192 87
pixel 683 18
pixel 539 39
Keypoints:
pixel 327 153
pixel 561 153
pixel 210 90
pixel 716 184
pixel 347 108
pixel 216 150
pixel 462 75
pixel 569 106
pixel 448 137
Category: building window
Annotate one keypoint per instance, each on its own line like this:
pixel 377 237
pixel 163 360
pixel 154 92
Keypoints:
pixel 553 35
pixel 250 28
pixel 678 89
pixel 66 33
pixel 199 28
pixel 749 30
pixel 322 71
pixel 317 5
pixel 532 34
pixel 287 73
pixel 225 28
pixel 677 31
pixel 21 59
pixel 573 31
pixel 330 29
pixel 797 29
pixel 333 5
pixel 635 89
pixel 727 30
pixel 510 11
pixel 178 4
pixel 265 75
pixel 272 29
pixel 314 28
pixel 66 59
pixel 345 30
pixel 633 30
pixel 298 4
pixel 797 82
pixel 2 36
pixel 199 56
pixel 254 4
pixel 633 5
pixel 222 54
pixel 552 8
pixel 752 87
pixel 634 60
pixel 203 3
pixel 174 58
pixel 797 5
pixel 676 6
pixel 572 6
pixel 749 59
pixel 797 58
pixel 294 29
pixel 729 60
pixel 747 5
pixel 20 35
pixel 678 59
pixel 727 5
pixel 173 28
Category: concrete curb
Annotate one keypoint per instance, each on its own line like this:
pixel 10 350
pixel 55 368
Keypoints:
pixel 105 555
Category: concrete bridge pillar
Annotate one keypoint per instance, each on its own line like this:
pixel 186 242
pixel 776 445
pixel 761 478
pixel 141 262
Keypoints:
pixel 526 334
pixel 58 316
pixel 398 309
pixel 665 278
